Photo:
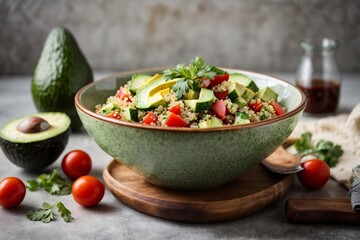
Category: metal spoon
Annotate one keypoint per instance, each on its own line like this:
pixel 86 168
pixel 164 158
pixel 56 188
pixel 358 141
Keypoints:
pixel 283 162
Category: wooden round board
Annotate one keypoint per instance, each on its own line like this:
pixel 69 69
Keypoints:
pixel 253 191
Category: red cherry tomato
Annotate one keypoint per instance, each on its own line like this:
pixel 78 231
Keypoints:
pixel 150 118
pixel 279 110
pixel 221 95
pixel 76 163
pixel 315 175
pixel 12 192
pixel 175 121
pixel 176 109
pixel 88 191
pixel 256 106
pixel 219 109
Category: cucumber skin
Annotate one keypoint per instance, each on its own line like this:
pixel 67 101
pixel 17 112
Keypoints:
pixel 60 72
pixel 35 155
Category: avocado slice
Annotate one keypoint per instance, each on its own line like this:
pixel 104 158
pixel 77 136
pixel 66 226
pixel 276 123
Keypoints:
pixel 267 94
pixel 35 141
pixel 210 123
pixel 152 94
pixel 241 118
pixel 138 81
pixel 60 72
pixel 204 102
pixel 244 80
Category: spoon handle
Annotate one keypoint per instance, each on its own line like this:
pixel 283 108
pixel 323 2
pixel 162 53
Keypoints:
pixel 321 210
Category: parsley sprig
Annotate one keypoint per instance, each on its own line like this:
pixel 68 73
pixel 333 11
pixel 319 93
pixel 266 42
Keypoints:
pixel 325 150
pixel 52 183
pixel 46 214
pixel 190 75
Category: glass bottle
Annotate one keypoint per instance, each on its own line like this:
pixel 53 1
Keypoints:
pixel 318 75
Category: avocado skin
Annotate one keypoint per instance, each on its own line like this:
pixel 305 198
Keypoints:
pixel 35 155
pixel 60 72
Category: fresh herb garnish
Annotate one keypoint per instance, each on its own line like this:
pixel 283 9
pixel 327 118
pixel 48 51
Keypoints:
pixel 52 183
pixel 45 214
pixel 190 75
pixel 325 150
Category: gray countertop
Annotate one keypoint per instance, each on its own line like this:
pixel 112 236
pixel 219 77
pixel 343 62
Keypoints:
pixel 114 220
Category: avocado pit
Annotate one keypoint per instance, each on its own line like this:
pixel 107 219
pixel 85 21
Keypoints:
pixel 33 124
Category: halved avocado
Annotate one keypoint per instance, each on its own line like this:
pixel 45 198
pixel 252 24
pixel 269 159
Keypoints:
pixel 35 141
pixel 152 94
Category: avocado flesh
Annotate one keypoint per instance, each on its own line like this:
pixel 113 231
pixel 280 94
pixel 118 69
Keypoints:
pixel 34 151
pixel 243 80
pixel 203 103
pixel 60 72
pixel 267 94
pixel 152 94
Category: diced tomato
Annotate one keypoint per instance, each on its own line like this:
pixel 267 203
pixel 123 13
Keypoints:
pixel 221 95
pixel 114 114
pixel 279 110
pixel 176 109
pixel 222 78
pixel 219 79
pixel 175 121
pixel 121 93
pixel 206 82
pixel 219 109
pixel 150 118
pixel 256 106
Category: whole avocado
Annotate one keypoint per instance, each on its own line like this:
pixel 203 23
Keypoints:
pixel 60 72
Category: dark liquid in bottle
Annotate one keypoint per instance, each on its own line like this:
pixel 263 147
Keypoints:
pixel 322 96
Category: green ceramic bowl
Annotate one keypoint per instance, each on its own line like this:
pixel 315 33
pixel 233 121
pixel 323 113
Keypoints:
pixel 185 158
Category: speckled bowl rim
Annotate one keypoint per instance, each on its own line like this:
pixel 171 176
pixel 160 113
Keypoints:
pixel 91 113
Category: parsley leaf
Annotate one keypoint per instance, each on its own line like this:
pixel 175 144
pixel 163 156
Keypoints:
pixel 325 150
pixel 191 75
pixel 64 212
pixel 45 214
pixel 52 183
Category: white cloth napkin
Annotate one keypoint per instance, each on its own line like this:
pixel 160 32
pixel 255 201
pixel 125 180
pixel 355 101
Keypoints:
pixel 342 129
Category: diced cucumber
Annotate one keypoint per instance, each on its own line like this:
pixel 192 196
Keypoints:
pixel 138 81
pixel 244 80
pixel 267 94
pixel 131 114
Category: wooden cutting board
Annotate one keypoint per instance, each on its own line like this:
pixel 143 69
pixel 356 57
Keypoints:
pixel 250 193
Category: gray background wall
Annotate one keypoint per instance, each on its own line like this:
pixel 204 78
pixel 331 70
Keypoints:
pixel 260 35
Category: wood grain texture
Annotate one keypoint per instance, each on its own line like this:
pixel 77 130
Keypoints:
pixel 250 193
pixel 321 210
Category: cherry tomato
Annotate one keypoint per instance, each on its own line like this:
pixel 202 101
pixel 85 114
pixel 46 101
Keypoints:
pixel 150 118
pixel 219 109
pixel 175 121
pixel 256 106
pixel 221 95
pixel 12 192
pixel 176 109
pixel 88 191
pixel 315 175
pixel 76 163
pixel 114 114
pixel 279 110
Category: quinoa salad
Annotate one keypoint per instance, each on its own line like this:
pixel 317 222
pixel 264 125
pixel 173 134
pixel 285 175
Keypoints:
pixel 196 96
